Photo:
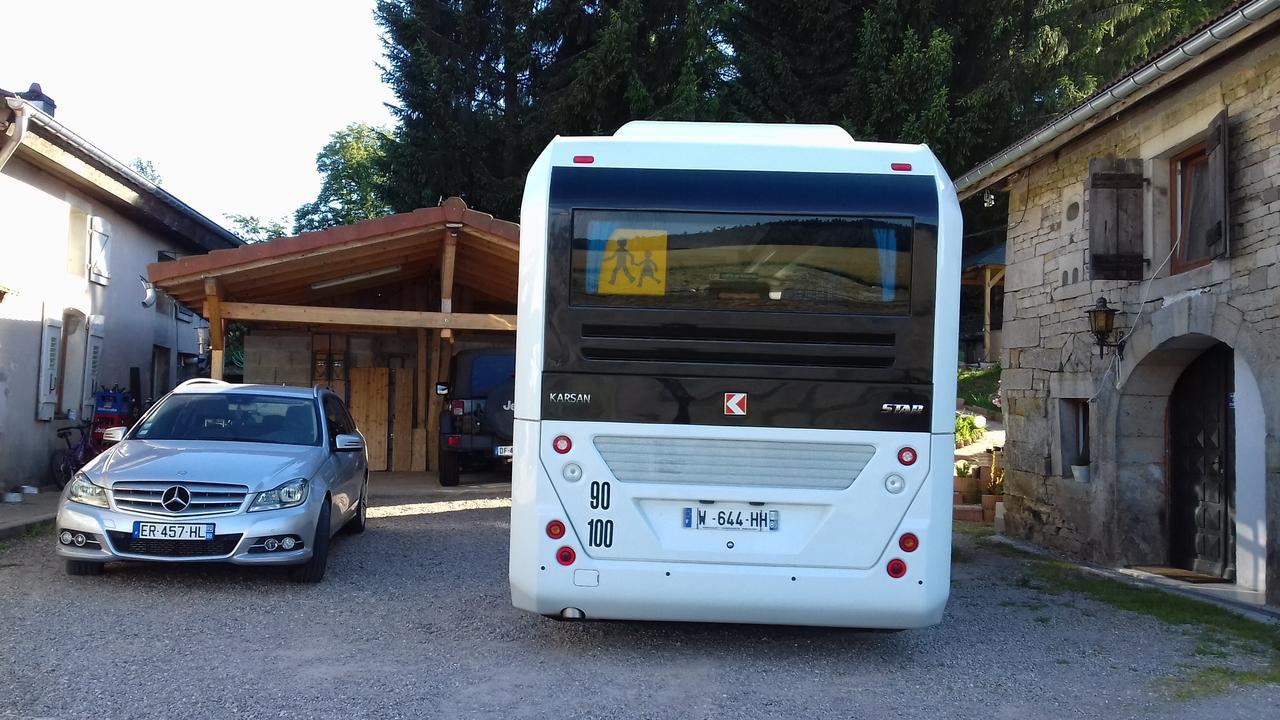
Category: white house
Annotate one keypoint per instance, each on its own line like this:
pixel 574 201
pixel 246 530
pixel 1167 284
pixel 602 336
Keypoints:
pixel 77 231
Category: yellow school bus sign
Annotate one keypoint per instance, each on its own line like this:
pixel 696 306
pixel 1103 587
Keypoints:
pixel 634 263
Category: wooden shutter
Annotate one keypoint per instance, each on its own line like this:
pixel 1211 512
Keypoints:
pixel 99 250
pixel 1211 229
pixel 1114 188
pixel 92 362
pixel 50 350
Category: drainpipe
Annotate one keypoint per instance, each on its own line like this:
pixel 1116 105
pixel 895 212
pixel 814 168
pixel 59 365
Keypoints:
pixel 10 142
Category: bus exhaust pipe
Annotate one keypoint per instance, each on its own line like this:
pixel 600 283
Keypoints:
pixel 572 614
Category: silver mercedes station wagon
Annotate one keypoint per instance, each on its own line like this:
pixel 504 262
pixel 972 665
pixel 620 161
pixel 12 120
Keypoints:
pixel 214 472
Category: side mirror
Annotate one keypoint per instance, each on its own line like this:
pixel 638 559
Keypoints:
pixel 442 388
pixel 114 435
pixel 348 443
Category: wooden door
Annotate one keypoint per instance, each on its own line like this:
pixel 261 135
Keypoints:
pixel 1202 493
pixel 402 420
pixel 370 407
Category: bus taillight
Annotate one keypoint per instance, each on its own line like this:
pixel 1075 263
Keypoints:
pixel 896 568
pixel 555 530
pixel 907 456
pixel 908 542
pixel 900 167
pixel 562 444
pixel 566 556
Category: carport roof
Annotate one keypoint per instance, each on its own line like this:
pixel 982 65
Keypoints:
pixel 374 252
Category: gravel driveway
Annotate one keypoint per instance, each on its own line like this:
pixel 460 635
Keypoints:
pixel 413 620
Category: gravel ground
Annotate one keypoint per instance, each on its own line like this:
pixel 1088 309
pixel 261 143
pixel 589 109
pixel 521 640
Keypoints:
pixel 413 620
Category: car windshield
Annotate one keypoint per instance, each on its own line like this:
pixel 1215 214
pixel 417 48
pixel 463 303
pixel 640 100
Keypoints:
pixel 233 417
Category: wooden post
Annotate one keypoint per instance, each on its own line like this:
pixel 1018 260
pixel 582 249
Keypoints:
pixel 436 402
pixel 421 436
pixel 213 309
pixel 448 257
pixel 986 313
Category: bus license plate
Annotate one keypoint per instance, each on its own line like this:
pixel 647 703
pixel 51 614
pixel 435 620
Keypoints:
pixel 167 531
pixel 503 451
pixel 709 518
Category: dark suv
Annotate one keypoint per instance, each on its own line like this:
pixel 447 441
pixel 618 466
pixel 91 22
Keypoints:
pixel 479 412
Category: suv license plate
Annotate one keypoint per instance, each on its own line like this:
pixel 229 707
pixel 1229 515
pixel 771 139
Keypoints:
pixel 503 451
pixel 168 531
pixel 706 518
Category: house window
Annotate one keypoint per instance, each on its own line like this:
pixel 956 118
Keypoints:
pixel 1189 194
pixel 1073 423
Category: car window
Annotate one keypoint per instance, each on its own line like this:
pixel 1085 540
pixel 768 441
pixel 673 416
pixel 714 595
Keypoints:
pixel 336 417
pixel 490 370
pixel 233 417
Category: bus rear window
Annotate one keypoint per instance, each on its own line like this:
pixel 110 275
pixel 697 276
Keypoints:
pixel 738 261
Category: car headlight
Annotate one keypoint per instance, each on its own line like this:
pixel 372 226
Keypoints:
pixel 286 495
pixel 82 490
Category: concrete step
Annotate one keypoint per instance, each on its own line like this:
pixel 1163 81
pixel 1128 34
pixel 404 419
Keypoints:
pixel 967 513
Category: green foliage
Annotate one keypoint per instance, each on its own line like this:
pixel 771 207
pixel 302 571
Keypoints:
pixel 967 430
pixel 976 388
pixel 355 183
pixel 964 468
pixel 146 169
pixel 253 229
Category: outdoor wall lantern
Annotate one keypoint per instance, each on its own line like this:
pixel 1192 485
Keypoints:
pixel 1102 322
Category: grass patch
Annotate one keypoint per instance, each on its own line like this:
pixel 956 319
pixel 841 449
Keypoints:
pixel 972 529
pixel 1222 633
pixel 44 528
pixel 975 387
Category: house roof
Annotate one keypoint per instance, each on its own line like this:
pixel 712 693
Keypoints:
pixel 372 253
pixel 993 255
pixel 1203 42
pixel 54 148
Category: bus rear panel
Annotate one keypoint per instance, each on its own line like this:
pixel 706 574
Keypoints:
pixel 735 362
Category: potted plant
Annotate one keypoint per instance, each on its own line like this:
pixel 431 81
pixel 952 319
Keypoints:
pixel 992 493
pixel 965 483
pixel 1080 472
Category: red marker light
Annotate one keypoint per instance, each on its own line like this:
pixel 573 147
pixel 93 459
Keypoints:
pixel 908 542
pixel 896 568
pixel 453 441
pixel 907 456
pixel 555 529
pixel 901 167
pixel 566 556
pixel 562 444
pixel 583 159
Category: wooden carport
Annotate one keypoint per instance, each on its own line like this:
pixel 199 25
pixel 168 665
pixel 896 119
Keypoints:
pixel 431 273
pixel 986 270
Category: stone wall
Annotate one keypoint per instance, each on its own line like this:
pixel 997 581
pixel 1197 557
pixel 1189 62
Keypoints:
pixel 1049 356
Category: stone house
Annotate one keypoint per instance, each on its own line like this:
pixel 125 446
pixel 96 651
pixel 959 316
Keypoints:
pixel 77 231
pixel 1158 445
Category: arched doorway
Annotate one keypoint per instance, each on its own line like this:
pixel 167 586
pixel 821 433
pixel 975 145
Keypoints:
pixel 1202 466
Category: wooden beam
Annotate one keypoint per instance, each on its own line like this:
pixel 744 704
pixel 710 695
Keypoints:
pixel 448 258
pixel 436 403
pixel 314 315
pixel 986 313
pixel 213 309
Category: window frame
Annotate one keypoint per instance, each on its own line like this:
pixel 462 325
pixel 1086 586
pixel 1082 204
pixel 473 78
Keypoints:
pixel 1180 206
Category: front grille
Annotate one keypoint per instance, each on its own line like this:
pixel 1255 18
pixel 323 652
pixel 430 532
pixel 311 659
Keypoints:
pixel 755 463
pixel 219 546
pixel 206 498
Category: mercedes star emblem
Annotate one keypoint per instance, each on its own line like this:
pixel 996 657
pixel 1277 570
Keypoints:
pixel 175 499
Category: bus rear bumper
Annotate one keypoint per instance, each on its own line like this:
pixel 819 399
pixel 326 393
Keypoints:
pixel 633 590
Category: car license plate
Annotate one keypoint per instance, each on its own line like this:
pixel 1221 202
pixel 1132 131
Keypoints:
pixel 168 531
pixel 503 451
pixel 712 518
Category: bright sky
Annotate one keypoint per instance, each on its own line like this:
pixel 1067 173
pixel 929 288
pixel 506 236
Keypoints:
pixel 231 100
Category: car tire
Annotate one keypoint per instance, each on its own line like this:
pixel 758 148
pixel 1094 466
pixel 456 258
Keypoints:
pixel 312 571
pixel 450 468
pixel 356 524
pixel 84 567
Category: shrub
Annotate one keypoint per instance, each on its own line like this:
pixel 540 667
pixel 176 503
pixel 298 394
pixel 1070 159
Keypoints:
pixel 967 430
